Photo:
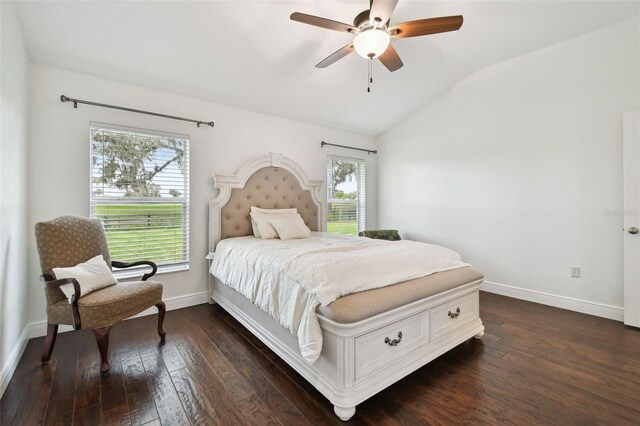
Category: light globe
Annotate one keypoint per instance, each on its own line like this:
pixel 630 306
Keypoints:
pixel 371 43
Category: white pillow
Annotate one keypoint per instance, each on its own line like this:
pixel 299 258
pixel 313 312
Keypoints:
pixel 273 211
pixel 92 275
pixel 290 227
pixel 266 231
pixel 258 210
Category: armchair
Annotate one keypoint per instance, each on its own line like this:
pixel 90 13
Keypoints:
pixel 70 240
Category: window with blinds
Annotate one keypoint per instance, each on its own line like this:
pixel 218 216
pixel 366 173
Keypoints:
pixel 345 195
pixel 140 192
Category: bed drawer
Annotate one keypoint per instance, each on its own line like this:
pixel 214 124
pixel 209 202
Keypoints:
pixel 453 314
pixel 387 344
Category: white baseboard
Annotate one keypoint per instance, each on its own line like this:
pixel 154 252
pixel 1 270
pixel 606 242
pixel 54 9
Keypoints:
pixel 178 302
pixel 10 367
pixel 39 328
pixel 564 302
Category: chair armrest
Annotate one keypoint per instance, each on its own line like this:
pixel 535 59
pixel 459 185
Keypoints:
pixel 77 324
pixel 145 277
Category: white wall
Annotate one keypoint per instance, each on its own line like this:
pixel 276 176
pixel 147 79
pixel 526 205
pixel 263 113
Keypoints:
pixel 59 156
pixel 13 176
pixel 519 167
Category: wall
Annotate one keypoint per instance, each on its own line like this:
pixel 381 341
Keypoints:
pixel 519 168
pixel 59 158
pixel 13 177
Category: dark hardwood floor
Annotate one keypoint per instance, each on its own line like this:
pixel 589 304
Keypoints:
pixel 535 365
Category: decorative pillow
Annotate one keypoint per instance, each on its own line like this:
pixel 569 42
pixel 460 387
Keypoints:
pixel 258 210
pixel 290 227
pixel 266 231
pixel 92 275
pixel 273 211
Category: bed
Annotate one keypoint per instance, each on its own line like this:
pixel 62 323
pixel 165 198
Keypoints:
pixel 369 339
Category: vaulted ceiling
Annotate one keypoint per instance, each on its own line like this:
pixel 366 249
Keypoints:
pixel 249 54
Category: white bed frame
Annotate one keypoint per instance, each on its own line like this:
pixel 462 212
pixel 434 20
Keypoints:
pixel 359 359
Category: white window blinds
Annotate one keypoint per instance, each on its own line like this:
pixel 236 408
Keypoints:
pixel 345 195
pixel 140 192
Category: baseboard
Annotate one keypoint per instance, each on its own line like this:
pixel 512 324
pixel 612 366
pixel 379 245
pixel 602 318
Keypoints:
pixel 178 302
pixel 564 302
pixel 39 328
pixel 10 367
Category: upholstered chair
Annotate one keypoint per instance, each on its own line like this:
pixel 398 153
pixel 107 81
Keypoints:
pixel 68 241
pixel 383 234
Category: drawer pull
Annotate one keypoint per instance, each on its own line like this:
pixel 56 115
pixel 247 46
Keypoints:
pixel 394 342
pixel 455 314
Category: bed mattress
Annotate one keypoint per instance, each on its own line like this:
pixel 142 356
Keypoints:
pixel 341 278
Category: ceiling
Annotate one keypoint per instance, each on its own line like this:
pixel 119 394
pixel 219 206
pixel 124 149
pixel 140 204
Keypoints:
pixel 248 54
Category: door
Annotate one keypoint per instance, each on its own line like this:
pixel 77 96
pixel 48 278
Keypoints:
pixel 631 191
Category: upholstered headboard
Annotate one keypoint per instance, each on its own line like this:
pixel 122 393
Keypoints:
pixel 268 188
pixel 271 182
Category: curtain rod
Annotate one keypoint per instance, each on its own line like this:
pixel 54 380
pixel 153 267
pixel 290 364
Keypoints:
pixel 368 151
pixel 64 98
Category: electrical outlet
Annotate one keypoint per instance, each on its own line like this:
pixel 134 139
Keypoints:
pixel 575 272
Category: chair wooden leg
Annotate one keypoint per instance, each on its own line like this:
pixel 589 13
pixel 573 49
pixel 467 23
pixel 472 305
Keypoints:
pixel 102 338
pixel 162 309
pixel 49 341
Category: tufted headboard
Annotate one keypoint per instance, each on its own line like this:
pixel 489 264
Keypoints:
pixel 272 182
pixel 268 188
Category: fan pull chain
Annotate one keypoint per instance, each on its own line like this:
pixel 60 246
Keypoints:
pixel 370 77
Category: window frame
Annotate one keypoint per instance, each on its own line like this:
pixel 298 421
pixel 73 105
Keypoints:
pixel 163 268
pixel 361 199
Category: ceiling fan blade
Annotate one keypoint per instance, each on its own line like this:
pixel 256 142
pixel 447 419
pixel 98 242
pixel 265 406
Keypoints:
pixel 381 10
pixel 390 59
pixel 428 26
pixel 335 56
pixel 322 22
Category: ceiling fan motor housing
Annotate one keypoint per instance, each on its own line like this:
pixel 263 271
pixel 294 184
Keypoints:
pixel 362 19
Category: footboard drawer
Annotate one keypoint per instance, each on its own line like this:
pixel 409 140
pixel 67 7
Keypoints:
pixel 453 314
pixel 389 343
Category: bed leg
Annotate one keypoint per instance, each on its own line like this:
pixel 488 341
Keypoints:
pixel 345 413
pixel 479 335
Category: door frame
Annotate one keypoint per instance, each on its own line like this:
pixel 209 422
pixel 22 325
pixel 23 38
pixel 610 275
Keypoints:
pixel 631 216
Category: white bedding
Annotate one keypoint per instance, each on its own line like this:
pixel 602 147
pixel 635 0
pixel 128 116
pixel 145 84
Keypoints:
pixel 289 279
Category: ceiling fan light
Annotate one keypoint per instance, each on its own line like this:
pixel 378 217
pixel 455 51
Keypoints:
pixel 371 43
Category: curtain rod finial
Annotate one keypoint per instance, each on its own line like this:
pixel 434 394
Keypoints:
pixel 210 123
pixel 63 98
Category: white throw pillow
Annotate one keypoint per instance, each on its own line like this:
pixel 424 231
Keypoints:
pixel 274 211
pixel 258 210
pixel 290 227
pixel 266 231
pixel 92 275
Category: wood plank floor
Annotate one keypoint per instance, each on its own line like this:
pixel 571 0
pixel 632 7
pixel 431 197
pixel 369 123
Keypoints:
pixel 535 365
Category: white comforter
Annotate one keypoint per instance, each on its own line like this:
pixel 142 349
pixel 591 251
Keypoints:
pixel 289 279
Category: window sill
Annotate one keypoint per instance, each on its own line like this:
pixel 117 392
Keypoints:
pixel 138 272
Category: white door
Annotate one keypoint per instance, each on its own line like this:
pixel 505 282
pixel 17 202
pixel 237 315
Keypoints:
pixel 631 185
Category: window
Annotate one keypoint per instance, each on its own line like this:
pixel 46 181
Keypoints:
pixel 140 192
pixel 345 195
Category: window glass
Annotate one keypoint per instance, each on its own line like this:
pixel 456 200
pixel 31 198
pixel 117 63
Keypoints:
pixel 345 195
pixel 140 192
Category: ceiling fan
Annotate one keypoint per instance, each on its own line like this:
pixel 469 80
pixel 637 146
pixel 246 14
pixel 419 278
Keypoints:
pixel 373 32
